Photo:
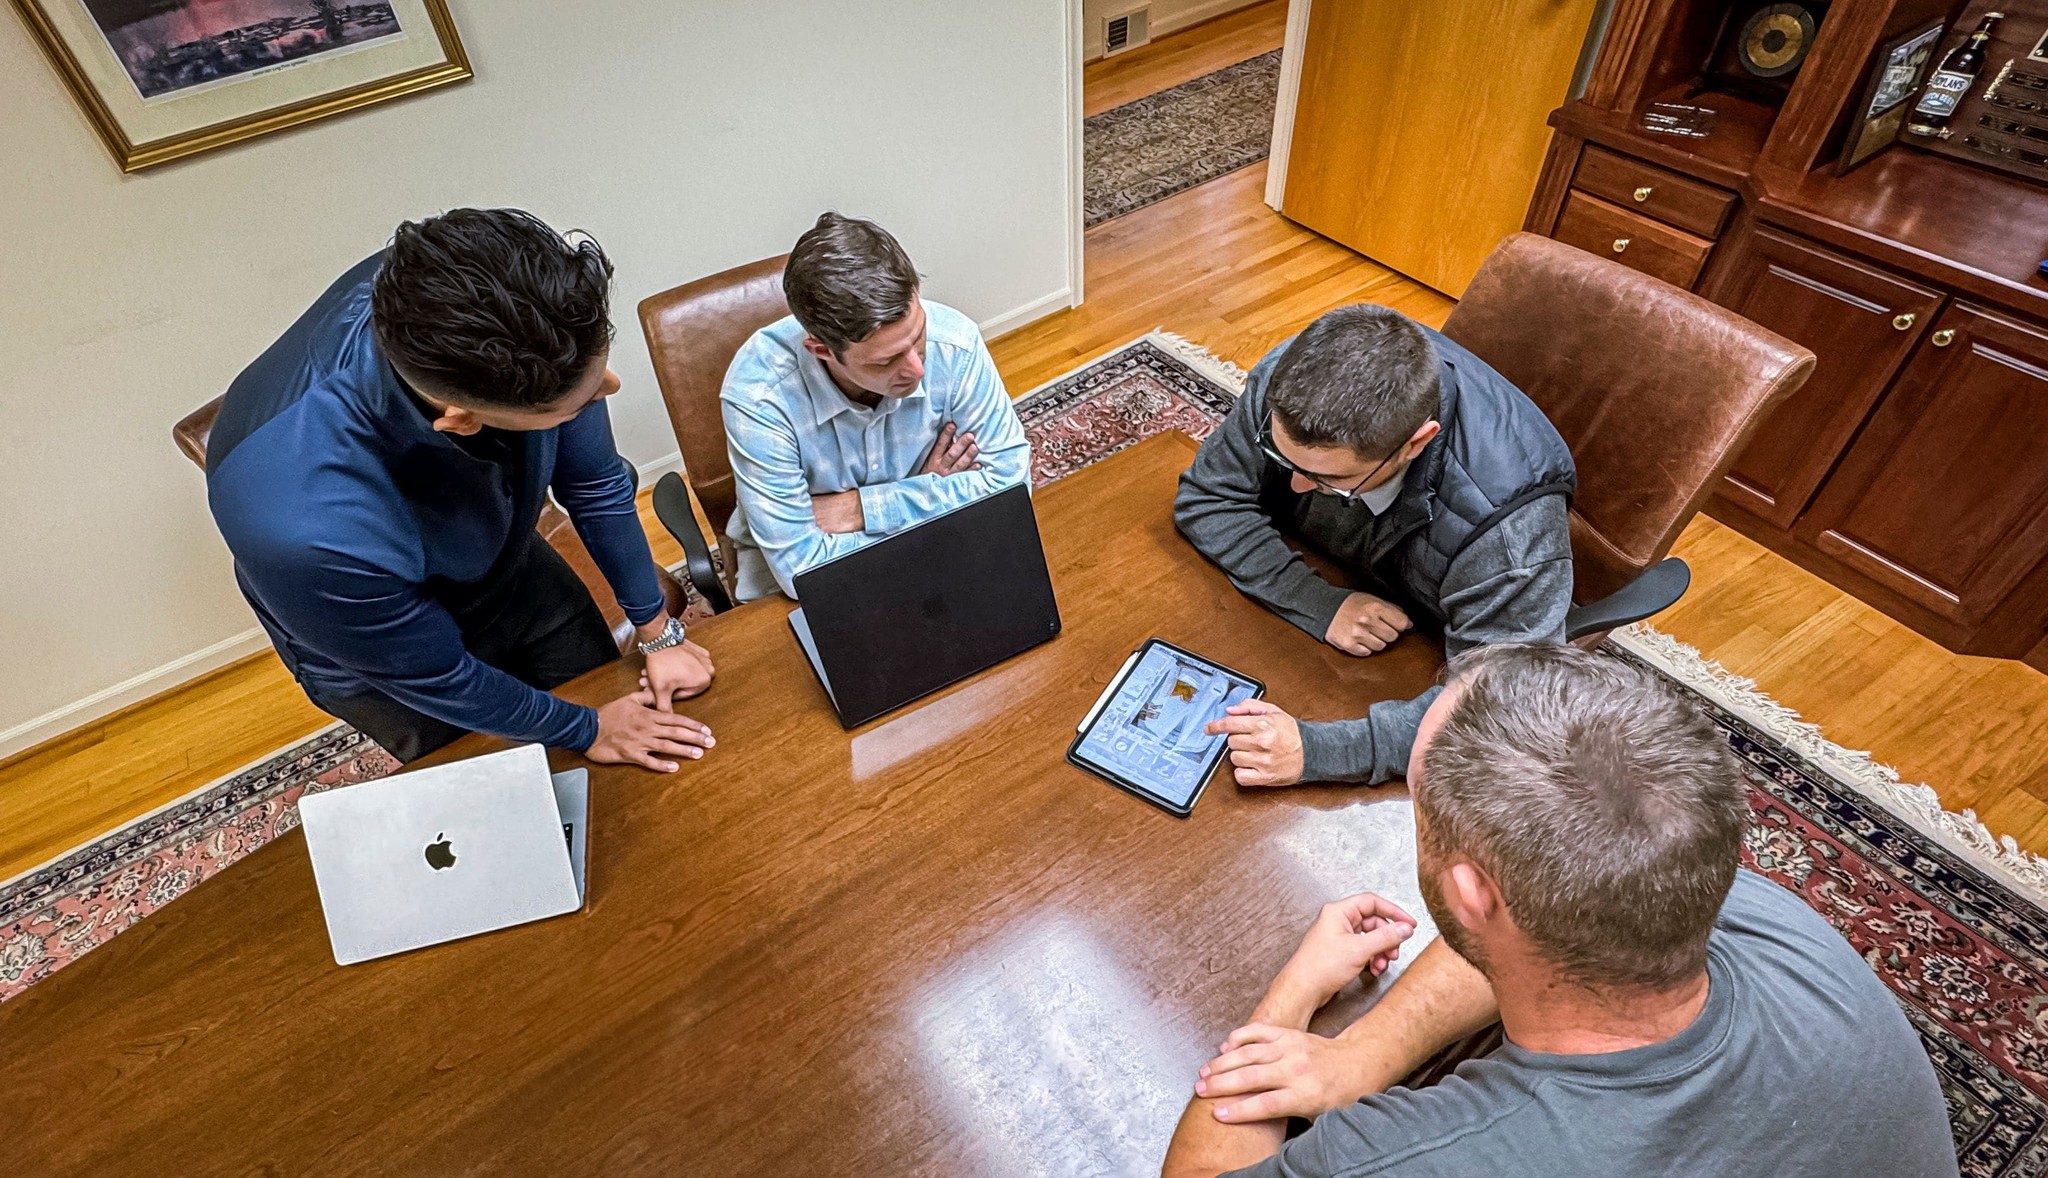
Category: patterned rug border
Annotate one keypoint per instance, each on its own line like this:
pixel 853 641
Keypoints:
pixel 1918 805
pixel 1107 197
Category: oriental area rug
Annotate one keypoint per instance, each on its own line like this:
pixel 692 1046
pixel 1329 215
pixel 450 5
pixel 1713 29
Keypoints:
pixel 1149 149
pixel 1954 921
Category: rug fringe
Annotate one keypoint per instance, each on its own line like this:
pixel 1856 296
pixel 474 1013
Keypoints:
pixel 1199 358
pixel 1999 857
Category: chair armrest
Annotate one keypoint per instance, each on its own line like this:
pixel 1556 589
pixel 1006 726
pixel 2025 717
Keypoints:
pixel 672 508
pixel 1655 589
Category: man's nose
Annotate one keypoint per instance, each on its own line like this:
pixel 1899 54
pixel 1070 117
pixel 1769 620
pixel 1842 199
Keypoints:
pixel 913 366
pixel 1299 485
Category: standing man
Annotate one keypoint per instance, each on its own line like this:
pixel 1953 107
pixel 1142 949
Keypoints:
pixel 1424 474
pixel 1578 828
pixel 864 412
pixel 378 473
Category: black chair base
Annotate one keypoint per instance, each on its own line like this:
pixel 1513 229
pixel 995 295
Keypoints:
pixel 672 508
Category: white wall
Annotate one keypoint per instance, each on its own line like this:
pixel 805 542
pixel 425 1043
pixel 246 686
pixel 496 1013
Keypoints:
pixel 1167 16
pixel 686 135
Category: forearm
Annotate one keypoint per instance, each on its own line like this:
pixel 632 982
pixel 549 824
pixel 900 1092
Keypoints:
pixel 1369 750
pixel 595 488
pixel 891 507
pixel 1439 999
pixel 1204 1146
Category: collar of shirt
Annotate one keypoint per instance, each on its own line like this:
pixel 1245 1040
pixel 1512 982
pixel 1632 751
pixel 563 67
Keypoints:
pixel 828 400
pixel 1382 497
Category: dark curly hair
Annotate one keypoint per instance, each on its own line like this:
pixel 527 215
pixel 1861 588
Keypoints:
pixel 493 307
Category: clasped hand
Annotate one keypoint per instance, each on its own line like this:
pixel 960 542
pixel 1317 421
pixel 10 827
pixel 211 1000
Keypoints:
pixel 1288 1072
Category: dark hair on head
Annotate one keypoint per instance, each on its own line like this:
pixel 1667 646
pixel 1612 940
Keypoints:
pixel 1362 377
pixel 845 279
pixel 1607 807
pixel 493 307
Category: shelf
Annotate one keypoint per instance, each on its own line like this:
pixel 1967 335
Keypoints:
pixel 1724 157
pixel 1987 232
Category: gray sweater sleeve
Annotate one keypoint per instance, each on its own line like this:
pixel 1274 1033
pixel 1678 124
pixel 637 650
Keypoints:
pixel 1218 510
pixel 1513 584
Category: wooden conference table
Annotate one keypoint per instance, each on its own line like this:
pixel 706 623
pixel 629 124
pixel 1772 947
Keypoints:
pixel 926 947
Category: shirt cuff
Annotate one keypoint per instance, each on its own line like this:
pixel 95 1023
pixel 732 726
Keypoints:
pixel 1337 750
pixel 584 733
pixel 1319 602
pixel 874 511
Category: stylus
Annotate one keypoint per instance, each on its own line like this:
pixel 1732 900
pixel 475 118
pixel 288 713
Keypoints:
pixel 1107 692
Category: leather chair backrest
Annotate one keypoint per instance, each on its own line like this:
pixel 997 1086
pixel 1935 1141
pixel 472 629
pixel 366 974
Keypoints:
pixel 1654 389
pixel 192 432
pixel 693 332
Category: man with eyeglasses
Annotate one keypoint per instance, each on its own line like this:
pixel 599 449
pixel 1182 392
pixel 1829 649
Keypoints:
pixel 1427 478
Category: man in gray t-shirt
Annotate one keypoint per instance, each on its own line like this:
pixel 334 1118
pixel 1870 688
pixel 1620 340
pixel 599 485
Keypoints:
pixel 1661 1017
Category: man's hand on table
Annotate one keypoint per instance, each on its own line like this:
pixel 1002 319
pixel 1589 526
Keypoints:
pixel 1282 1069
pixel 1366 625
pixel 630 731
pixel 676 674
pixel 1265 743
pixel 952 453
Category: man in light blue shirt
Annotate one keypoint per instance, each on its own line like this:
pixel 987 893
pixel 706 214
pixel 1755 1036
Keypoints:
pixel 866 411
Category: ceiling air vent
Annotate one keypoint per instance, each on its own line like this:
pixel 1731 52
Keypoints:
pixel 1126 30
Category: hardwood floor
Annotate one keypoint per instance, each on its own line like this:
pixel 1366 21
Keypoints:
pixel 1216 265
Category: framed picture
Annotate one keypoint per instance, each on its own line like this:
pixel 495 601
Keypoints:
pixel 164 79
pixel 1901 65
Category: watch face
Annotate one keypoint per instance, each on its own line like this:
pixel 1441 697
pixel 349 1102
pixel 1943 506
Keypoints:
pixel 1776 39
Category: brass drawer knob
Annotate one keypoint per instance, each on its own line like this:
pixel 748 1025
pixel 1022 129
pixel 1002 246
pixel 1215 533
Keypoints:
pixel 1902 322
pixel 1643 194
pixel 1944 337
pixel 1620 244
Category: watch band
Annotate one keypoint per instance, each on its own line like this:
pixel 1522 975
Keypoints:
pixel 672 635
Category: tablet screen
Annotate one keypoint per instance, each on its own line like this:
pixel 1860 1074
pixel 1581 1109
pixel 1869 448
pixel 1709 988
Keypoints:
pixel 1150 733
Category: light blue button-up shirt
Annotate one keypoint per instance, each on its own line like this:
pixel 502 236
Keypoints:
pixel 793 434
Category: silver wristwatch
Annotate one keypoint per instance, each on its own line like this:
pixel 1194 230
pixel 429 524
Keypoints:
pixel 671 636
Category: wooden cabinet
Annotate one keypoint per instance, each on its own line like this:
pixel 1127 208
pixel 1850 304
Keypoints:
pixel 1632 239
pixel 1860 324
pixel 1943 498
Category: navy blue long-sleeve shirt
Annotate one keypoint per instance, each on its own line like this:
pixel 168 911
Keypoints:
pixel 342 507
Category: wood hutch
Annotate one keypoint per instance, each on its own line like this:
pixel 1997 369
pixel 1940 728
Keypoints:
pixel 1912 470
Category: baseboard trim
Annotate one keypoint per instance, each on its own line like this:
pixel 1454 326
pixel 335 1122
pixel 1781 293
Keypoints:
pixel 1179 22
pixel 1029 313
pixel 105 702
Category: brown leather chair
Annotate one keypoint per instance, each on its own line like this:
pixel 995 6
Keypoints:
pixel 192 433
pixel 693 332
pixel 1654 389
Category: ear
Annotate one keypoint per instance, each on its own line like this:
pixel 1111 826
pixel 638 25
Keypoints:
pixel 818 348
pixel 1472 895
pixel 1423 435
pixel 456 420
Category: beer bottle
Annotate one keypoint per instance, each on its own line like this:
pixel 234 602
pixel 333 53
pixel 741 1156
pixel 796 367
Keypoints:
pixel 1952 81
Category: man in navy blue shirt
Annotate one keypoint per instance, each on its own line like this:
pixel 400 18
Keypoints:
pixel 378 472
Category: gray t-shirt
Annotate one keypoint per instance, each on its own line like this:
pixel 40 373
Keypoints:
pixel 1801 1063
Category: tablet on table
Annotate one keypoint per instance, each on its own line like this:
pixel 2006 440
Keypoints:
pixel 1147 733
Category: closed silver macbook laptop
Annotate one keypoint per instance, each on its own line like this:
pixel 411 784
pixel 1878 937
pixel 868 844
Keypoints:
pixel 447 852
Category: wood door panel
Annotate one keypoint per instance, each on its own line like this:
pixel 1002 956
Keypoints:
pixel 1848 314
pixel 1674 199
pixel 1944 497
pixel 1408 153
pixel 1633 240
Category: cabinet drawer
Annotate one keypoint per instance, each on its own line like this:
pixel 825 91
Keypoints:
pixel 1632 239
pixel 1669 197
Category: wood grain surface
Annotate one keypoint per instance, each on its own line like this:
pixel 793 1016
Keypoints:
pixel 928 946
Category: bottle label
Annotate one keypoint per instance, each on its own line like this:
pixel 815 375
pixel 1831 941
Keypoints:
pixel 1944 91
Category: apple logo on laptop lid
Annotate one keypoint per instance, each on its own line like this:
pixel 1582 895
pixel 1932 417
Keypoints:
pixel 439 854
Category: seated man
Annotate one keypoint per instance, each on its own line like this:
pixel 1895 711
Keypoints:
pixel 865 411
pixel 1420 471
pixel 1577 826
pixel 378 473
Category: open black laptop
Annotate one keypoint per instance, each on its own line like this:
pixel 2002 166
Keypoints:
pixel 929 606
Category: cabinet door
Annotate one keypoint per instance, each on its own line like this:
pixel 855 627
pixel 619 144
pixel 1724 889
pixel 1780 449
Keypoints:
pixel 1860 324
pixel 1944 496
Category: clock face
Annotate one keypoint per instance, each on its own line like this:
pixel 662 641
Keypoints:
pixel 1776 39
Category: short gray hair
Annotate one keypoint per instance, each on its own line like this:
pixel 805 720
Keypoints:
pixel 1363 377
pixel 1608 808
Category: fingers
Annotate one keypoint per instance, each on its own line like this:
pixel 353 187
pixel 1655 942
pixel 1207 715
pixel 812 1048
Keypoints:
pixel 676 748
pixel 1255 1078
pixel 1251 1033
pixel 1237 725
pixel 1266 1106
pixel 1257 1051
pixel 647 760
pixel 1254 707
pixel 1356 910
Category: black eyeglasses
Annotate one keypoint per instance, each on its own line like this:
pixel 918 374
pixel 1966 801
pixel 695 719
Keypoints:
pixel 1321 483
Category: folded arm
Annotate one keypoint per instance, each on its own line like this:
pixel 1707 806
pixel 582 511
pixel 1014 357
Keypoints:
pixel 774 490
pixel 1218 510
pixel 975 402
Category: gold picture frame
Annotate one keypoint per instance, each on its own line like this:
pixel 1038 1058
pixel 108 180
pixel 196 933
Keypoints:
pixel 149 113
